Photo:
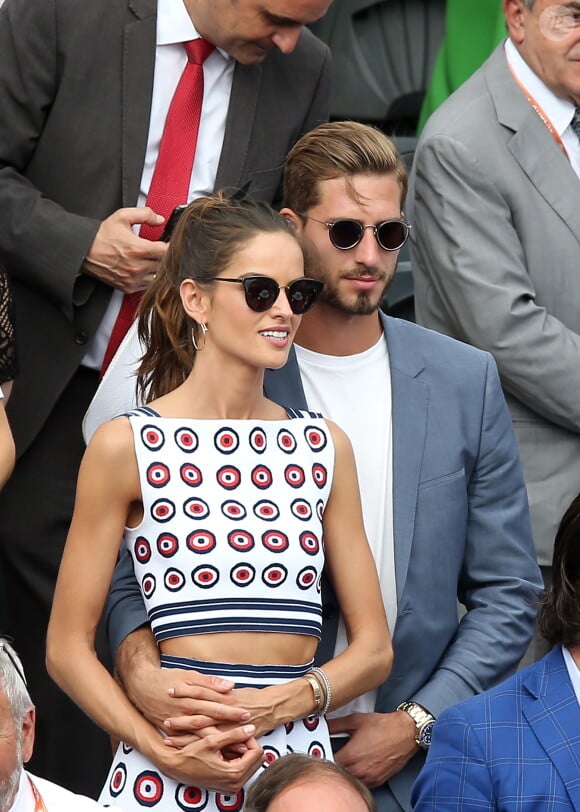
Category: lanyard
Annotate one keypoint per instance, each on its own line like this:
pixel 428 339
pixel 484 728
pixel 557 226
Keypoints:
pixel 39 805
pixel 540 113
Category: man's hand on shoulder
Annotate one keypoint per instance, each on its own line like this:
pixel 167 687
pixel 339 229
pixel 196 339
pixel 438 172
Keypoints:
pixel 380 744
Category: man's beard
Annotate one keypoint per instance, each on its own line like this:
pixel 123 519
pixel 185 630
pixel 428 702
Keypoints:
pixel 363 305
pixel 9 786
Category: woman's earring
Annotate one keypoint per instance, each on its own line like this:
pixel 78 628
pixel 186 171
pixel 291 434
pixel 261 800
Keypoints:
pixel 203 327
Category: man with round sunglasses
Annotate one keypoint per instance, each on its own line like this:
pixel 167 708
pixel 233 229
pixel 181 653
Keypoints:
pixel 442 490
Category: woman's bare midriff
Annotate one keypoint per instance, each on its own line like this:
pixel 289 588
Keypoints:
pixel 253 648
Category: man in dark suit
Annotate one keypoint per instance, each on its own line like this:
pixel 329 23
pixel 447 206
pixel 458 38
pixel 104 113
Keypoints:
pixel 84 94
pixel 442 490
pixel 517 747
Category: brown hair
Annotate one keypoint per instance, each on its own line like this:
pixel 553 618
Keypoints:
pixel 559 617
pixel 209 232
pixel 335 150
pixel 295 769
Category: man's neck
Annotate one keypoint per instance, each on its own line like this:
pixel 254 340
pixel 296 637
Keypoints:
pixel 330 332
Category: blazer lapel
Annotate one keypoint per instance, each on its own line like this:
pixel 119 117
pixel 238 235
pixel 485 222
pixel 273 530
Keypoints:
pixel 551 708
pixel 285 385
pixel 409 406
pixel 239 125
pixel 137 89
pixel 532 146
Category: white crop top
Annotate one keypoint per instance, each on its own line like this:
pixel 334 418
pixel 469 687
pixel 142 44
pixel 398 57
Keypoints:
pixel 231 535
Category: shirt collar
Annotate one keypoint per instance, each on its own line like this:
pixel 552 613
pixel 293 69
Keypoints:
pixel 573 672
pixel 174 25
pixel 559 111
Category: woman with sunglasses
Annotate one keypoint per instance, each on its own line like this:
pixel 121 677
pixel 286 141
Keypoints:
pixel 229 506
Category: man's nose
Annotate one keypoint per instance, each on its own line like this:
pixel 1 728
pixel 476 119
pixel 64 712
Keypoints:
pixel 286 39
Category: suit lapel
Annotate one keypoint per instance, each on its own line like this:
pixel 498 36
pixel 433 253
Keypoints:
pixel 137 89
pixel 285 385
pixel 409 405
pixel 239 125
pixel 532 146
pixel 551 708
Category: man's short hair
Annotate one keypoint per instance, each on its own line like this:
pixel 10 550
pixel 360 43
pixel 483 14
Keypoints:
pixel 559 617
pixel 335 150
pixel 294 769
pixel 12 682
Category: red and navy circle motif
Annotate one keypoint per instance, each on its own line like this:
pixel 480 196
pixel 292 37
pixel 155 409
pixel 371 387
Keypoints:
pixel 306 577
pixel 142 550
pixel 258 441
pixel 233 510
pixel 191 799
pixel 315 438
pixel 186 440
pixel 205 576
pixel 241 540
pixel 242 574
pixel 320 509
pixel 294 476
pixel 196 508
pixel 301 509
pixel 316 750
pixel 201 541
pixel 174 580
pixel 158 474
pixel 289 727
pixel 148 788
pixel 163 510
pixel 286 441
pixel 191 475
pixel 274 575
pixel 311 722
pixel 319 583
pixel 126 749
pixel 230 803
pixel 275 541
pixel 319 474
pixel 262 477
pixel 167 544
pixel 118 780
pixel 309 542
pixel 152 438
pixel 148 585
pixel 270 755
pixel 229 477
pixel 266 510
pixel 226 440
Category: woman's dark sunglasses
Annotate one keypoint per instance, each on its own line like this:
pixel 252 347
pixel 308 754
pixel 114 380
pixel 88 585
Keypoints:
pixel 262 291
pixel 345 234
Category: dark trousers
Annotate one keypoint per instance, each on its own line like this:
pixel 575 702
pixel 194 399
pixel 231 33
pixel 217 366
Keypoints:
pixel 36 507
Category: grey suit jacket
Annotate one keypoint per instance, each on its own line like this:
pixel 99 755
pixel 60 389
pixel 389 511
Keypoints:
pixel 76 80
pixel 496 262
pixel 461 530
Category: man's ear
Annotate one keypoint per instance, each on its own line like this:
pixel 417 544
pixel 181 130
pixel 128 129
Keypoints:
pixel 28 734
pixel 514 13
pixel 293 217
pixel 195 300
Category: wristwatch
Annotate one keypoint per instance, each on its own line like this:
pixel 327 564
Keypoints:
pixel 424 722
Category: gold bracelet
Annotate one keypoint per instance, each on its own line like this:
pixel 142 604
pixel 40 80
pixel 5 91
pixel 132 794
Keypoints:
pixel 319 701
pixel 321 677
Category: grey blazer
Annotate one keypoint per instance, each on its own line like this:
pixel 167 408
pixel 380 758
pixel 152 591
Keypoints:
pixel 76 80
pixel 496 262
pixel 461 530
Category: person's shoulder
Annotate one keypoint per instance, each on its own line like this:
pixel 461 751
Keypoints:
pixel 60 799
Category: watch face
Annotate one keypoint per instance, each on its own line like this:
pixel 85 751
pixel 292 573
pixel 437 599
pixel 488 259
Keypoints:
pixel 426 734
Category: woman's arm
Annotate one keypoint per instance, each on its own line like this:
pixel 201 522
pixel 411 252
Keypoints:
pixel 7 450
pixel 108 492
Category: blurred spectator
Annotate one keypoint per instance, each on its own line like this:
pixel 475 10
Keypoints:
pixel 517 747
pixel 311 785
pixel 496 244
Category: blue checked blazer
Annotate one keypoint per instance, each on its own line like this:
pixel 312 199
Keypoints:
pixel 515 747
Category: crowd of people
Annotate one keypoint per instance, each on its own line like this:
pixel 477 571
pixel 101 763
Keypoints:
pixel 258 519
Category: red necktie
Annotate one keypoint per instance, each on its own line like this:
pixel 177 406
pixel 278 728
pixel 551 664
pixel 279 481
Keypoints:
pixel 172 175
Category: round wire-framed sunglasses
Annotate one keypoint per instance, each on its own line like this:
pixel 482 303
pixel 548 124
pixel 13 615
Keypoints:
pixel 391 235
pixel 262 291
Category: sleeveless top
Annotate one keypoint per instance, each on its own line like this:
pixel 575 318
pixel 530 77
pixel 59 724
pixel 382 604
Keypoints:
pixel 231 535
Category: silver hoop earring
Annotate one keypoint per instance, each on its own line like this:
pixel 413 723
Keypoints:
pixel 203 327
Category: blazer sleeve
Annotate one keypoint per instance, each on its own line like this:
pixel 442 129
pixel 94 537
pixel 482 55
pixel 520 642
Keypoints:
pixel 455 775
pixel 500 581
pixel 465 245
pixel 41 243
pixel 124 611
